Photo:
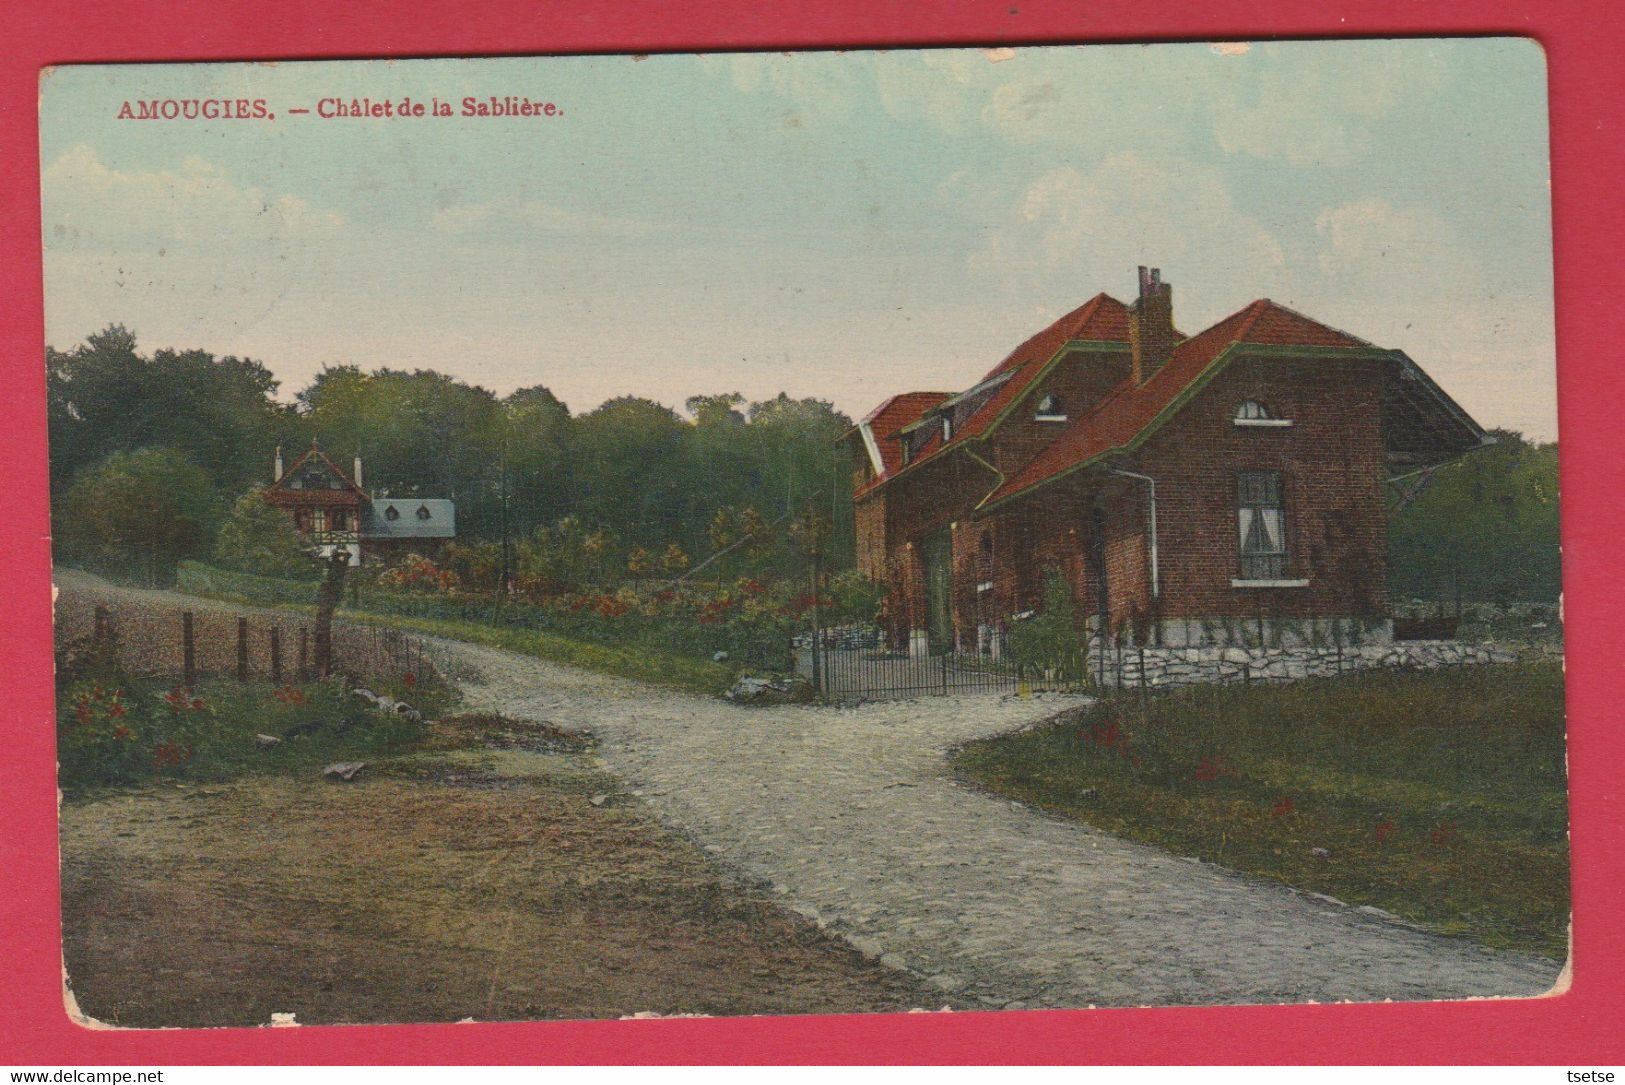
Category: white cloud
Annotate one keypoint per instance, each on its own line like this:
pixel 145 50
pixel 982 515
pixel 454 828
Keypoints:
pixel 1097 226
pixel 1373 250
pixel 1311 107
pixel 89 205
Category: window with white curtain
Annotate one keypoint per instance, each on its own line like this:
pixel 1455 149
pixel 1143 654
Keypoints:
pixel 1261 518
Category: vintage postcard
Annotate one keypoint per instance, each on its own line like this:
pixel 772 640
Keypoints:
pixel 805 533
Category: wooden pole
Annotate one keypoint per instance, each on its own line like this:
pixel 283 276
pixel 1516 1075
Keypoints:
pixel 304 653
pixel 242 649
pixel 276 655
pixel 188 651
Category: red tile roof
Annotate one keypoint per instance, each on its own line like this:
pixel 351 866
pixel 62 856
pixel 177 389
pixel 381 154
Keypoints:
pixel 1100 319
pixel 884 421
pixel 1128 409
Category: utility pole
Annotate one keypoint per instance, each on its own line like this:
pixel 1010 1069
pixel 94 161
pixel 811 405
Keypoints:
pixel 507 551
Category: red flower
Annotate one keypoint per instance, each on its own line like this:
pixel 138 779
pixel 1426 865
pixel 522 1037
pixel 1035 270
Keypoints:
pixel 1283 806
pixel 409 680
pixel 1108 734
pixel 1211 768
pixel 1384 830
pixel 81 711
pixel 198 705
pixel 115 709
pixel 170 753
pixel 1443 833
pixel 123 733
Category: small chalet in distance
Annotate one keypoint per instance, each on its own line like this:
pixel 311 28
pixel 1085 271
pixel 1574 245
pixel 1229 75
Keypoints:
pixel 332 512
pixel 1189 490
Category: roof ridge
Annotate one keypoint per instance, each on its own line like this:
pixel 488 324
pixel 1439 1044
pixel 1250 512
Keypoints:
pixel 1257 306
pixel 1312 320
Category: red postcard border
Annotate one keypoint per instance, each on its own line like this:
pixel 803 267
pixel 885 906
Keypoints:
pixel 1583 45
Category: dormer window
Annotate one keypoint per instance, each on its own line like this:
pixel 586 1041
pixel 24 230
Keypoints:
pixel 423 512
pixel 1251 412
pixel 392 513
pixel 1050 409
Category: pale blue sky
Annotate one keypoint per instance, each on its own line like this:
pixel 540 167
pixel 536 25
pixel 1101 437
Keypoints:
pixel 835 225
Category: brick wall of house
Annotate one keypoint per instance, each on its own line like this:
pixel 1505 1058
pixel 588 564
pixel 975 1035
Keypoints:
pixel 1081 380
pixel 1331 460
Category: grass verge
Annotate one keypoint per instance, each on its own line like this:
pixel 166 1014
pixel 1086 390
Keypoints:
pixel 1439 796
pixel 636 662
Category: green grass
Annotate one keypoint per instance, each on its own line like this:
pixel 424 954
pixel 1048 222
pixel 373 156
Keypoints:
pixel 1438 795
pixel 643 664
pixel 640 663
pixel 114 730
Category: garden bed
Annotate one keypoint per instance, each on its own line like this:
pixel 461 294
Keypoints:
pixel 1439 796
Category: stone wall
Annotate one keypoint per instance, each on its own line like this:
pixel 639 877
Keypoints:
pixel 1162 667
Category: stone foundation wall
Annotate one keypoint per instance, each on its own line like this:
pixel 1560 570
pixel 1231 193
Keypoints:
pixel 1162 667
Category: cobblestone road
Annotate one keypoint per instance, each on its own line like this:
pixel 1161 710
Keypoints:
pixel 852 816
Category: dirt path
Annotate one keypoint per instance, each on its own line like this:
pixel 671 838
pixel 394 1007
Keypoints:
pixel 853 818
pixel 851 815
pixel 472 883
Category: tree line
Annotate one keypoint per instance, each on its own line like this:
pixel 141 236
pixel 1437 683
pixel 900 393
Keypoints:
pixel 149 451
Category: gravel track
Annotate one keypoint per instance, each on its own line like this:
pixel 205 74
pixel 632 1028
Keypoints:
pixel 853 818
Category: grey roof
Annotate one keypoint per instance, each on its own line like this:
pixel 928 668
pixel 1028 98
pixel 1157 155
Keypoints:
pixel 410 521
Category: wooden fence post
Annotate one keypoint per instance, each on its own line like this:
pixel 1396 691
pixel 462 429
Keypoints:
pixel 188 651
pixel 242 649
pixel 304 653
pixel 276 655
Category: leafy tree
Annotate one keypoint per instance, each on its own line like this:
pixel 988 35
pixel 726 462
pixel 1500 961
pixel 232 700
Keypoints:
pixel 538 457
pixel 257 537
pixel 419 434
pixel 104 397
pixel 137 514
pixel 632 470
pixel 1488 522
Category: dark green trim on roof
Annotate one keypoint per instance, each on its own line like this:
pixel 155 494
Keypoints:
pixel 1202 380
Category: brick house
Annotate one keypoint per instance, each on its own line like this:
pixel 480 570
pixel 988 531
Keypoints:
pixel 1217 488
pixel 332 511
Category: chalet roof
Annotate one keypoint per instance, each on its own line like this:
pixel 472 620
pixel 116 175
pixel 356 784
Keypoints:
pixel 283 484
pixel 1130 413
pixel 409 518
pixel 1102 321
pixel 881 426
pixel 1427 424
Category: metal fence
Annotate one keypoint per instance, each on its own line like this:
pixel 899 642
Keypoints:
pixel 854 663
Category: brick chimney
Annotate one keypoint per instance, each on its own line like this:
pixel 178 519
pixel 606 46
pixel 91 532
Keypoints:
pixel 276 465
pixel 1151 325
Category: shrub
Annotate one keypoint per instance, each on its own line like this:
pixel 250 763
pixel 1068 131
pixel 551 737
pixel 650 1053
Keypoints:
pixel 136 514
pixel 1049 640
pixel 260 538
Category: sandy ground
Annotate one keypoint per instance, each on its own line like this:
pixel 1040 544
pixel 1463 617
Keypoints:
pixel 479 884
pixel 853 820
pixel 854 817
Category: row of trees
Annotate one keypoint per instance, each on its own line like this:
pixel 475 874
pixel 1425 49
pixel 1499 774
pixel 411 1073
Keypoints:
pixel 148 453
